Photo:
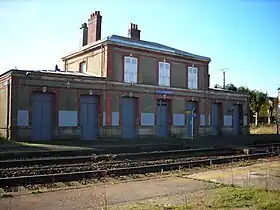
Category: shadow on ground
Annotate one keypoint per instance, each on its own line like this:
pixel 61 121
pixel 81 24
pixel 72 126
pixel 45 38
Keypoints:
pixel 138 145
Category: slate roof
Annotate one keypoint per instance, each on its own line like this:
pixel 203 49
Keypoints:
pixel 153 46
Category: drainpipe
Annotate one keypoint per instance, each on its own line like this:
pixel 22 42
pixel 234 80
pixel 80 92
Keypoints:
pixel 193 116
pixel 102 60
pixel 8 109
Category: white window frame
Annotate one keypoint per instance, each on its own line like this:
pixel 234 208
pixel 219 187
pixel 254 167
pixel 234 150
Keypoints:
pixel 83 67
pixel 192 78
pixel 164 74
pixel 130 69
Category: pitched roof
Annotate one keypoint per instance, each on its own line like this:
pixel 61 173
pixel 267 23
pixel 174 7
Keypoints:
pixel 153 46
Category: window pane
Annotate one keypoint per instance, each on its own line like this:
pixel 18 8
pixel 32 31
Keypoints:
pixel 195 84
pixel 167 66
pixel 134 77
pixel 126 77
pixel 161 72
pixel 127 59
pixel 168 73
pixel 167 81
pixel 160 81
pixel 190 70
pixel 134 61
pixel 161 65
pixel 83 67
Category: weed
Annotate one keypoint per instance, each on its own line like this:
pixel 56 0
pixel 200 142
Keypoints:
pixel 36 192
pixel 236 197
pixel 6 195
pixel 264 129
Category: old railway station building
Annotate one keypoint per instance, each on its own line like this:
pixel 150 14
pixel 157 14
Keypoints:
pixel 119 87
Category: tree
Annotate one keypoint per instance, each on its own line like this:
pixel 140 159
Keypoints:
pixel 271 105
pixel 257 99
pixel 231 87
pixel 243 89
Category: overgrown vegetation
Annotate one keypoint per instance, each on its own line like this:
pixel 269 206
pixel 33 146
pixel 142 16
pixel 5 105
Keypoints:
pixel 237 197
pixel 260 104
pixel 221 198
pixel 2 139
pixel 263 129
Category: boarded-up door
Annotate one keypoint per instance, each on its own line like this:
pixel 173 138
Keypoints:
pixel 89 117
pixel 162 118
pixel 128 118
pixel 215 119
pixel 237 118
pixel 42 113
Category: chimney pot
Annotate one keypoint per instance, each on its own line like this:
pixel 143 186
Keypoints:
pixel 84 35
pixel 94 27
pixel 56 68
pixel 133 31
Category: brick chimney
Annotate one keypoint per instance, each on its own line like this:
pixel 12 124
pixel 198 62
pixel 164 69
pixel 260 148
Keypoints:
pixel 94 27
pixel 84 34
pixel 133 31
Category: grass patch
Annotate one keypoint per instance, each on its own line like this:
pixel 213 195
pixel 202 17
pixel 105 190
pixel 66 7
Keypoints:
pixel 2 140
pixel 36 192
pixel 143 206
pixel 263 129
pixel 235 197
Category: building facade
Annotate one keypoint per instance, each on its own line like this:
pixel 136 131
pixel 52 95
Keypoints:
pixel 119 87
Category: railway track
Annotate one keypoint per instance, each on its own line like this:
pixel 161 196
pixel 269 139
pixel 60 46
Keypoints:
pixel 101 165
pixel 12 155
pixel 18 176
pixel 155 155
pixel 152 155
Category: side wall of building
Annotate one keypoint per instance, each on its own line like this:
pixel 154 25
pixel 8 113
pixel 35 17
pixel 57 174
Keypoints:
pixel 65 105
pixel 3 107
pixel 96 62
pixel 66 108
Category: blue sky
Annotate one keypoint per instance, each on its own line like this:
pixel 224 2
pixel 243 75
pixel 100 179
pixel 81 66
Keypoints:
pixel 243 36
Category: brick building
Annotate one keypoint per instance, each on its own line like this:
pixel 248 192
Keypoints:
pixel 119 87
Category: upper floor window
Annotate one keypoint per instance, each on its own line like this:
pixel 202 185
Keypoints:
pixel 130 70
pixel 192 78
pixel 83 67
pixel 164 74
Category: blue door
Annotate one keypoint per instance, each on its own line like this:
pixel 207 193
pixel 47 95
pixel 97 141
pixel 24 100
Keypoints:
pixel 215 119
pixel 89 117
pixel 162 118
pixel 190 106
pixel 128 118
pixel 42 113
pixel 236 119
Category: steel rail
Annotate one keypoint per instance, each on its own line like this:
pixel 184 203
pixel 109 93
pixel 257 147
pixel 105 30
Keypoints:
pixel 155 155
pixel 74 176
pixel 100 164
